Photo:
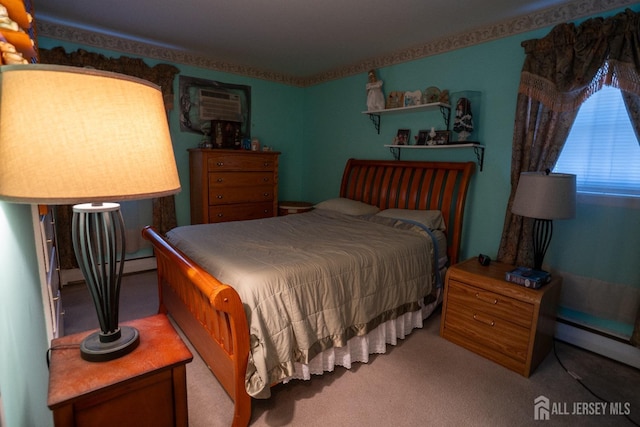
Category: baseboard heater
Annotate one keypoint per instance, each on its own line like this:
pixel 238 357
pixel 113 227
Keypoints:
pixel 74 275
pixel 597 342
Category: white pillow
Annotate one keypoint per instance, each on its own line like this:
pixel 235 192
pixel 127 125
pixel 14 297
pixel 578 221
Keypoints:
pixel 348 206
pixel 431 219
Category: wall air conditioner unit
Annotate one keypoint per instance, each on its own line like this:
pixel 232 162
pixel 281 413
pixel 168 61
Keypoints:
pixel 219 105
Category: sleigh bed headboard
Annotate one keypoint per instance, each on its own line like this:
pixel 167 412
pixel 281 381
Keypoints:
pixel 413 185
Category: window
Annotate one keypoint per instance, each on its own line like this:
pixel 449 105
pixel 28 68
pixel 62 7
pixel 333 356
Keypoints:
pixel 602 149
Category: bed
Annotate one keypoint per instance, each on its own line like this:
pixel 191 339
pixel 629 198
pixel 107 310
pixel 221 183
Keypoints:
pixel 240 293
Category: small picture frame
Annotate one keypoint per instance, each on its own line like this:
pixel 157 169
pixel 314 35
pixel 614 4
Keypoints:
pixel 422 137
pixel 442 137
pixel 395 99
pixel 402 137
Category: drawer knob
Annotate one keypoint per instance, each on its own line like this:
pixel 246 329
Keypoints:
pixel 220 164
pixel 485 299
pixel 480 319
pixel 219 196
pixel 266 164
pixel 219 180
pixel 266 194
pixel 220 215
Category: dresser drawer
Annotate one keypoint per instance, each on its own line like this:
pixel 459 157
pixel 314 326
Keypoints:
pixel 228 195
pixel 240 161
pixel 239 212
pixel 488 331
pixel 490 303
pixel 240 179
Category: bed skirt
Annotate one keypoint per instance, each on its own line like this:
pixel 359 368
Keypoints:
pixel 358 349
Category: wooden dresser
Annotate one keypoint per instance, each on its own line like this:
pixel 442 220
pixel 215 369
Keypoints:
pixel 232 185
pixel 507 323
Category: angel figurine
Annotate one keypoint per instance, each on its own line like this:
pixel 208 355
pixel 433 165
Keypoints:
pixel 375 97
pixel 463 123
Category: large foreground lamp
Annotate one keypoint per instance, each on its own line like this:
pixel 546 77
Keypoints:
pixel 544 196
pixel 75 135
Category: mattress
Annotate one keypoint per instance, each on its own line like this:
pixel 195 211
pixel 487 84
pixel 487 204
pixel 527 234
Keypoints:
pixel 311 282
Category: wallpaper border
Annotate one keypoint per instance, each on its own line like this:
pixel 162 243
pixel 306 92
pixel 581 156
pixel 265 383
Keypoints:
pixel 548 17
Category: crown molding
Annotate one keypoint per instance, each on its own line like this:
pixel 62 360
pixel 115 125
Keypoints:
pixel 533 21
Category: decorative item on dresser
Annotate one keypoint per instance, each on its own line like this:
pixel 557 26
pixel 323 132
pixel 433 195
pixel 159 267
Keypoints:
pixel 232 185
pixel 507 323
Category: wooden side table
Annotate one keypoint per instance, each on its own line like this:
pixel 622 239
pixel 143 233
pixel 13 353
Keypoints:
pixel 145 387
pixel 504 322
pixel 294 207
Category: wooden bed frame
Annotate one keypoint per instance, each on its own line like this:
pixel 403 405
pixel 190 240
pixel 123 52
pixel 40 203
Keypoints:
pixel 211 313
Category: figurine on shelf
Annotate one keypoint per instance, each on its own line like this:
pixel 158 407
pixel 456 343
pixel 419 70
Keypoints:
pixel 375 97
pixel 444 96
pixel 432 137
pixel 412 98
pixel 463 123
pixel 206 138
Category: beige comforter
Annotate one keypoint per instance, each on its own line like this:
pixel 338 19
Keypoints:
pixel 311 281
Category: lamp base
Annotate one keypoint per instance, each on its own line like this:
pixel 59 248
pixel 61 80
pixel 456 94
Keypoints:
pixel 95 349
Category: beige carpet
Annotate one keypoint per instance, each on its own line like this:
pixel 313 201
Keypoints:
pixel 424 380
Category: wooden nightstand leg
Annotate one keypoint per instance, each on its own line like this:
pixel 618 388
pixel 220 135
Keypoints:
pixel 180 395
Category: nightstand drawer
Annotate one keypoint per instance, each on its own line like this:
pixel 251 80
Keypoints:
pixel 491 303
pixel 488 331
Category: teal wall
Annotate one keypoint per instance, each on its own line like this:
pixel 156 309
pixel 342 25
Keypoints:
pixel 23 342
pixel 317 129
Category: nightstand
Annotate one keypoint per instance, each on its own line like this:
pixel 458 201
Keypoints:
pixel 289 208
pixel 146 387
pixel 504 322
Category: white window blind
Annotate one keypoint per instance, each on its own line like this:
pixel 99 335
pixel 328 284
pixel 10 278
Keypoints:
pixel 602 149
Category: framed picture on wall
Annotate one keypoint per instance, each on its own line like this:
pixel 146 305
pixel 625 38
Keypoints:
pixel 203 102
pixel 422 137
pixel 402 138
pixel 442 137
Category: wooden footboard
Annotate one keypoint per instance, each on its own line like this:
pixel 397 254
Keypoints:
pixel 212 317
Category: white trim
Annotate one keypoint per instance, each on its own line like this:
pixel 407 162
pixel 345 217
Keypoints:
pixel 548 17
pixel 611 348
pixel 130 266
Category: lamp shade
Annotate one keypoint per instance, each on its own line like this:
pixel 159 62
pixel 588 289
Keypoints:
pixel 70 135
pixel 545 196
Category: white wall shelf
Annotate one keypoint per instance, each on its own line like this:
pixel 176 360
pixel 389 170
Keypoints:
pixel 445 110
pixel 477 148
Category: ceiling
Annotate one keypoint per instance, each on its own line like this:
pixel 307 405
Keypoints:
pixel 295 38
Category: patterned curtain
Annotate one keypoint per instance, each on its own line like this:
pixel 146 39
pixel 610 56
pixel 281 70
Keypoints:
pixel 164 210
pixel 560 72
